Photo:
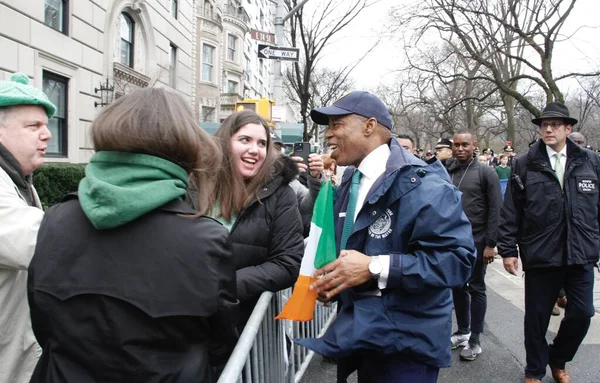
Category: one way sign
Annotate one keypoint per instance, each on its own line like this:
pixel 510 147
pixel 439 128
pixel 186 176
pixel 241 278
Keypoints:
pixel 278 53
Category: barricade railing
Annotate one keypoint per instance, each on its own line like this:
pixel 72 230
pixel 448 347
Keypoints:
pixel 265 352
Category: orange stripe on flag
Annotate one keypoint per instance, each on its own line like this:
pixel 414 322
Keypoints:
pixel 301 305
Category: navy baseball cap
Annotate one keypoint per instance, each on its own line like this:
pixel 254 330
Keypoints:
pixel 357 102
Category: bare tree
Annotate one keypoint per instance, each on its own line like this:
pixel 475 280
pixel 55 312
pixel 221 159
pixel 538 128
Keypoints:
pixel 430 102
pixel 514 40
pixel 312 33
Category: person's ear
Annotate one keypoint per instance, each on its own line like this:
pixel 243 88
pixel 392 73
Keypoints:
pixel 370 125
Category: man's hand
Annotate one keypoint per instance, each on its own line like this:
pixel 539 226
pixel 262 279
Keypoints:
pixel 488 255
pixel 315 165
pixel 349 270
pixel 511 265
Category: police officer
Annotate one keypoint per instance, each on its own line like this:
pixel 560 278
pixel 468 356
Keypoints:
pixel 551 212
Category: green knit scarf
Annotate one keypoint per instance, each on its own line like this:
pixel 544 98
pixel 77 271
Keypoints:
pixel 119 187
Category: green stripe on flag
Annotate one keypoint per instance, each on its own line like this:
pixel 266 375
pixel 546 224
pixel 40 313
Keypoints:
pixel 323 218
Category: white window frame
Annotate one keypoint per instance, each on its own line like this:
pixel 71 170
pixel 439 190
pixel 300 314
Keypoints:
pixel 233 86
pixel 61 117
pixel 211 64
pixel 124 17
pixel 232 42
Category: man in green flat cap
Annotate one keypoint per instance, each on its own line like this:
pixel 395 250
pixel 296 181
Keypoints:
pixel 24 136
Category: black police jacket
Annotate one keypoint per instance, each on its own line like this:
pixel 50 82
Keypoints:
pixel 552 227
pixel 150 301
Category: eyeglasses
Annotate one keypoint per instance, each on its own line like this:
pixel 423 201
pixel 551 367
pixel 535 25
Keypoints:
pixel 553 125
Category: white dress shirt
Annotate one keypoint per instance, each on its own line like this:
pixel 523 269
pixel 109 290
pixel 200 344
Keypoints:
pixel 371 168
pixel 563 156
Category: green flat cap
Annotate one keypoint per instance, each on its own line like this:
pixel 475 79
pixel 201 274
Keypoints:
pixel 18 92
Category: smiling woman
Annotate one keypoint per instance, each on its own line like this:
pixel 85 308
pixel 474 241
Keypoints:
pixel 253 200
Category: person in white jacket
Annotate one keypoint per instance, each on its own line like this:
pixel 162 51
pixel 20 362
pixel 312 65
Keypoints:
pixel 24 136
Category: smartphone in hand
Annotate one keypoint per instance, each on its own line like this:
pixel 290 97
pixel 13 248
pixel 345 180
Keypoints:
pixel 302 149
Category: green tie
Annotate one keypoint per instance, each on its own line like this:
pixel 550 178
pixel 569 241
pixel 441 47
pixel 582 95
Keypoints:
pixel 350 209
pixel 559 170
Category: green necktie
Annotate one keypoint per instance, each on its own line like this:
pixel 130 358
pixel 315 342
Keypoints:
pixel 350 209
pixel 559 169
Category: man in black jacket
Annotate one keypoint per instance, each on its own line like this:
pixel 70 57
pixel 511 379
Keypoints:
pixel 551 212
pixel 481 201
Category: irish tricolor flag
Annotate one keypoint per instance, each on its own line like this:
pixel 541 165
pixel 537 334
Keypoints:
pixel 319 251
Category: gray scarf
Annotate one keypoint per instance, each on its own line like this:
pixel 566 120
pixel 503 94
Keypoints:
pixel 11 166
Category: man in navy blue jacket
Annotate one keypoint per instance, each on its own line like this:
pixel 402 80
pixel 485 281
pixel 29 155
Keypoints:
pixel 409 245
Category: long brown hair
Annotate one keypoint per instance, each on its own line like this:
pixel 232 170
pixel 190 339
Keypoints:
pixel 232 192
pixel 159 123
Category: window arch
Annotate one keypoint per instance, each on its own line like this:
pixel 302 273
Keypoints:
pixel 127 26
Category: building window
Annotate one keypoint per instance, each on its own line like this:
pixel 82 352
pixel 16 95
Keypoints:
pixel 173 66
pixel 56 88
pixel 127 43
pixel 56 14
pixel 208 114
pixel 232 86
pixel 174 8
pixel 208 54
pixel 231 45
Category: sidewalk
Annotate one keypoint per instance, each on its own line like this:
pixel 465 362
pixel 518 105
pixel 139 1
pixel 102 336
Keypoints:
pixel 503 359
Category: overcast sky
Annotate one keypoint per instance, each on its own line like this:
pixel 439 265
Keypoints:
pixel 582 52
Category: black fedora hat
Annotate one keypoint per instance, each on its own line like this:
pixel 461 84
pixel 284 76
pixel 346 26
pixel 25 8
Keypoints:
pixel 555 110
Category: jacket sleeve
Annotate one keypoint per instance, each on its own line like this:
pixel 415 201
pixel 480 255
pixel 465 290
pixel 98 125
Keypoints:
pixel 307 195
pixel 444 251
pixel 19 225
pixel 286 247
pixel 510 216
pixel 223 323
pixel 494 204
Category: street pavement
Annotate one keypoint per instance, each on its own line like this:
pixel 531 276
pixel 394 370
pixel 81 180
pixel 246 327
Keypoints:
pixel 503 357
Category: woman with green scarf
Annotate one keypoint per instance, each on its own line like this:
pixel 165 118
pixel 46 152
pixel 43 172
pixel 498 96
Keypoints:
pixel 128 283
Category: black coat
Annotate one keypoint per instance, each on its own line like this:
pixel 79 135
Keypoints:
pixel 267 242
pixel 150 301
pixel 481 199
pixel 552 227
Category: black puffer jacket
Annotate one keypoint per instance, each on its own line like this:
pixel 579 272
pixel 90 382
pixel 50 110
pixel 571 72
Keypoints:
pixel 267 242
pixel 552 227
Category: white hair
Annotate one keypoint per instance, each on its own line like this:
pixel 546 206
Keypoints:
pixel 4 112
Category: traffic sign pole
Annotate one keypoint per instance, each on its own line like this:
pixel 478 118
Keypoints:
pixel 280 18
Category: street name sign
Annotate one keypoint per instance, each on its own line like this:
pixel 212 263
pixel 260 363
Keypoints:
pixel 262 36
pixel 278 53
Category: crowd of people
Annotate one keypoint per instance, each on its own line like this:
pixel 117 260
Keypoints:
pixel 150 271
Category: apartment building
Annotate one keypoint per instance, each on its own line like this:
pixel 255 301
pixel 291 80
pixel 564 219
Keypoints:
pixel 85 53
pixel 229 68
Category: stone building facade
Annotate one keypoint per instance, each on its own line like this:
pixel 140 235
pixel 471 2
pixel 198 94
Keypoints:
pixel 77 49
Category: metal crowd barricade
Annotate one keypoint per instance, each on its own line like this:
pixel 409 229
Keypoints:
pixel 265 352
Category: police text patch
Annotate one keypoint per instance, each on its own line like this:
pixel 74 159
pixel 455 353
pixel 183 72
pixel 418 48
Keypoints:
pixel 586 186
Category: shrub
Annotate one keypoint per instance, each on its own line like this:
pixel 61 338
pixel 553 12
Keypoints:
pixel 54 181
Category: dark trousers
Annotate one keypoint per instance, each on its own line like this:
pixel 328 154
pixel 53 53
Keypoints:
pixel 470 301
pixel 373 367
pixel 541 289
